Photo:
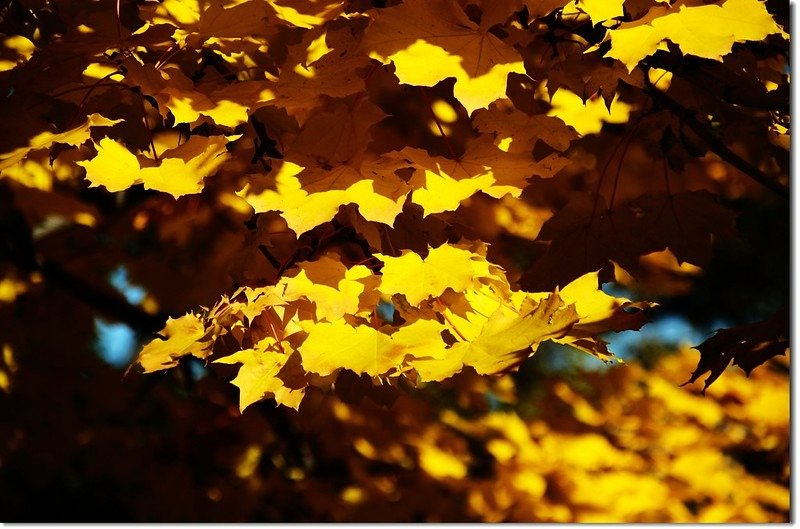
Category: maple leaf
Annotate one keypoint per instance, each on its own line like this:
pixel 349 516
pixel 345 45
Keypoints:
pixel 505 338
pixel 443 182
pixel 587 75
pixel 587 117
pixel 307 85
pixel 180 172
pixel 183 336
pixel 747 346
pixel 694 28
pixel 332 288
pixel 417 278
pixel 598 312
pixel 600 10
pixel 74 137
pixel 258 378
pixel 429 41
pixel 336 134
pixel 584 235
pixel 114 167
pixel 524 130
pixel 334 345
pixel 304 211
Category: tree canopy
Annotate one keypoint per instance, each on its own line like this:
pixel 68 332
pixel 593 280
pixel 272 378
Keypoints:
pixel 408 233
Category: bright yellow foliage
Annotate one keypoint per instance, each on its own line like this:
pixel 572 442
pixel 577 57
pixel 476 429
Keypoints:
pixel 114 167
pixel 183 337
pixel 183 169
pixel 257 378
pixel 417 278
pixel 361 349
pixel 74 136
pixel 304 211
pixel 424 64
pixel 457 310
pixel 429 41
pixel 332 297
pixel 180 172
pixel 707 31
pixel 643 457
pixel 587 117
pixel 600 10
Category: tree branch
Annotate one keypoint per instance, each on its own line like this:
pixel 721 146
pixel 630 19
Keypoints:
pixel 724 83
pixel 716 145
pixel 112 306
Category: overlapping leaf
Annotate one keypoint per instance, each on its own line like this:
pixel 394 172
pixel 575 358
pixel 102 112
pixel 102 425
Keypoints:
pixel 457 311
pixel 707 31
pixel 431 41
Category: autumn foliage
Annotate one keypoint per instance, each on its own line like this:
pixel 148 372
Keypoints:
pixel 374 254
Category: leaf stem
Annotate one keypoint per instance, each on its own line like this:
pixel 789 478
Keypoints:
pixel 619 169
pixel 147 126
pixel 118 19
pixel 453 326
pixel 438 123
pixel 273 331
pixel 86 96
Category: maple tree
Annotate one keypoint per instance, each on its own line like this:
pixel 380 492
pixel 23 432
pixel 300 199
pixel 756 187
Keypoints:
pixel 324 201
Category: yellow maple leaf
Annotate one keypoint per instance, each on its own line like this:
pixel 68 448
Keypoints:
pixel 598 10
pixel 180 172
pixel 74 136
pixel 506 337
pixel 183 337
pixel 417 279
pixel 114 167
pixel 443 183
pixel 183 169
pixel 303 211
pixel 362 349
pixel 587 117
pixel 597 312
pixel 429 41
pixel 707 31
pixel 424 64
pixel 257 378
pixel 422 340
pixel 592 304
pixel 441 192
pixel 332 300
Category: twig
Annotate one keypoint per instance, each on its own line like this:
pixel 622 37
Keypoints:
pixel 716 145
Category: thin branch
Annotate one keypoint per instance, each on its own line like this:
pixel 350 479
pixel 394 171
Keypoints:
pixel 271 258
pixel 716 145
pixel 112 306
pixel 118 19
